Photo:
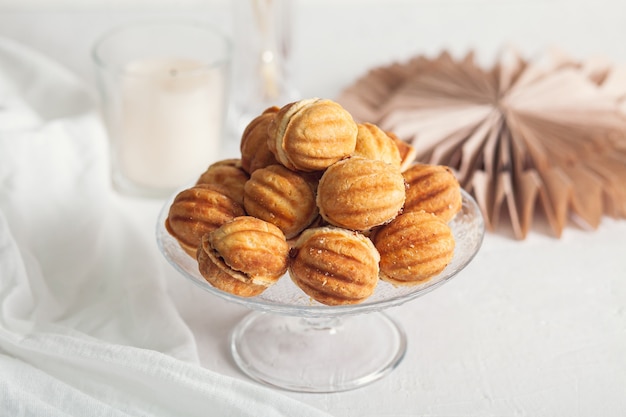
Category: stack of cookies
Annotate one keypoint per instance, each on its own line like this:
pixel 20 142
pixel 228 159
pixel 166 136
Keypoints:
pixel 336 204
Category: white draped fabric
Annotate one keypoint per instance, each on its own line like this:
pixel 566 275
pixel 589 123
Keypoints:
pixel 86 325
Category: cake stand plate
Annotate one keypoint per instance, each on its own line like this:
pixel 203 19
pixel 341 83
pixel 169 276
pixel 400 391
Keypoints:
pixel 293 342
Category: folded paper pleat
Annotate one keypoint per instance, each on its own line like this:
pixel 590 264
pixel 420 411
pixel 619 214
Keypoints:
pixel 527 137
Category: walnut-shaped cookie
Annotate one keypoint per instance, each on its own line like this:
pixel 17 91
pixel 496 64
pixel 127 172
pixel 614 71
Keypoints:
pixel 407 151
pixel 434 189
pixel 373 143
pixel 283 197
pixel 222 280
pixel 199 210
pixel 312 134
pixel 334 266
pixel 255 152
pixel 359 194
pixel 227 175
pixel 246 249
pixel 413 248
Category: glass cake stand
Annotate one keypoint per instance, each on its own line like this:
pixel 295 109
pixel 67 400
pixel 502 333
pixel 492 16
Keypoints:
pixel 295 343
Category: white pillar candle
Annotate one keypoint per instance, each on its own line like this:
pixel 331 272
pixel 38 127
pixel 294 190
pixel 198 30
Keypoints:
pixel 170 121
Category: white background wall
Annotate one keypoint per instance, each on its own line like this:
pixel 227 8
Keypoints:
pixel 387 30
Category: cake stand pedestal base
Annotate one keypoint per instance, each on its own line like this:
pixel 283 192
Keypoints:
pixel 317 354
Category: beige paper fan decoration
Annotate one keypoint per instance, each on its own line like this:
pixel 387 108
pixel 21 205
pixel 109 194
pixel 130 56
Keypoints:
pixel 525 137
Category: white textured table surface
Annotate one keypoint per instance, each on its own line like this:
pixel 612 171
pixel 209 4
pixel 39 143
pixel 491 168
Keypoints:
pixel 530 328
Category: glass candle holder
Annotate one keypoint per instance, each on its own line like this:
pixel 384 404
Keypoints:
pixel 163 86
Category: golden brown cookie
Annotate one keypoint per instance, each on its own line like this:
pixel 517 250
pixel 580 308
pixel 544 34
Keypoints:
pixel 197 211
pixel 413 248
pixel 373 143
pixel 227 175
pixel 434 189
pixel 282 197
pixel 222 280
pixel 334 266
pixel 255 152
pixel 406 150
pixel 312 134
pixel 249 250
pixel 359 194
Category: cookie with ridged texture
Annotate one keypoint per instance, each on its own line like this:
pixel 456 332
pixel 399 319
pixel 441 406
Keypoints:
pixel 254 149
pixel 199 210
pixel 408 153
pixel 248 249
pixel 334 266
pixel 359 193
pixel 282 197
pixel 222 280
pixel 373 143
pixel 414 248
pixel 434 189
pixel 228 175
pixel 312 134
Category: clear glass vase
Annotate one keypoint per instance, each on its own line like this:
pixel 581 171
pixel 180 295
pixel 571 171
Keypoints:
pixel 261 67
